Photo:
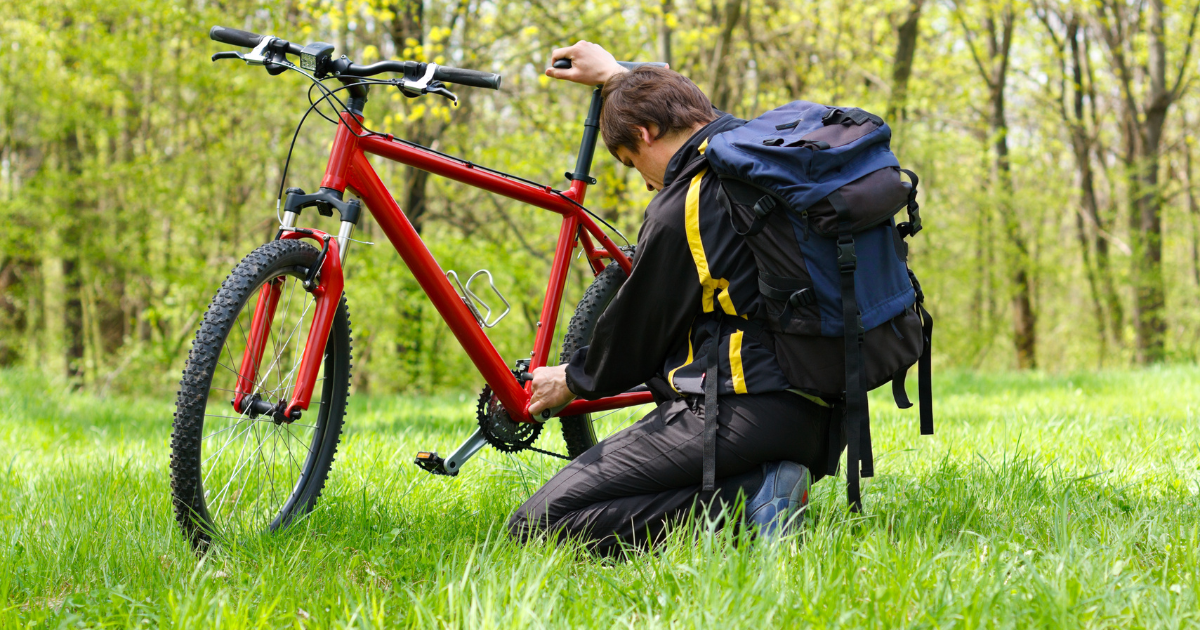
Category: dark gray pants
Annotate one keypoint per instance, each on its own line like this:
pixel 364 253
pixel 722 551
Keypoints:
pixel 629 487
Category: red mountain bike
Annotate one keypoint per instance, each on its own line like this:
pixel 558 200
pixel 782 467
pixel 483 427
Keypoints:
pixel 251 447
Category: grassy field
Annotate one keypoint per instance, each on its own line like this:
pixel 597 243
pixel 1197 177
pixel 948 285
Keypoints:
pixel 1043 501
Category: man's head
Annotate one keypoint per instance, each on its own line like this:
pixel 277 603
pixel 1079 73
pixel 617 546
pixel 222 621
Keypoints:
pixel 648 114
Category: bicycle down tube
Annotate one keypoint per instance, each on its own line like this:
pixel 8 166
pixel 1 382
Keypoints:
pixel 348 167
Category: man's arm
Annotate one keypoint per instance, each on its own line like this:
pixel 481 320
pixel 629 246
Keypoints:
pixel 651 313
pixel 648 317
pixel 590 64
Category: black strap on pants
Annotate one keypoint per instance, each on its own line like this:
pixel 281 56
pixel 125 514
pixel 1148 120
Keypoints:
pixel 859 459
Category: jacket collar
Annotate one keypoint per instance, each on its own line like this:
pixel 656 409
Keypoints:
pixel 690 151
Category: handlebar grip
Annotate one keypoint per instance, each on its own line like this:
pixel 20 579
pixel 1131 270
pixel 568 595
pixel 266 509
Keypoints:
pixel 565 64
pixel 234 37
pixel 470 78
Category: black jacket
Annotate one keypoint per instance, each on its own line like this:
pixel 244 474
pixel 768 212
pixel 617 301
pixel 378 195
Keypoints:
pixel 694 282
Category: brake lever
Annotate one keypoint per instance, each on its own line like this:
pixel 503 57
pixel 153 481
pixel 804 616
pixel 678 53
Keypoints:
pixel 439 89
pixel 413 89
pixel 228 54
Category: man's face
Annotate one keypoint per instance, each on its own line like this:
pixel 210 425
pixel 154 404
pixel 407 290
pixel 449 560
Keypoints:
pixel 653 176
pixel 652 157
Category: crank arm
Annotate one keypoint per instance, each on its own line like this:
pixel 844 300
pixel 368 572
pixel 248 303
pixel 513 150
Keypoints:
pixel 455 461
pixel 546 414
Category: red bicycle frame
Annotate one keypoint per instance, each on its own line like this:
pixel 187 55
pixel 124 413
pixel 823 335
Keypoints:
pixel 348 167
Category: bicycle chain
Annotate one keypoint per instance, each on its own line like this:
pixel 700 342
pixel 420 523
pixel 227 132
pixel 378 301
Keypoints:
pixel 550 453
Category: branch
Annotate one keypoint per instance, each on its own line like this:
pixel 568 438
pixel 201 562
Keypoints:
pixel 1175 92
pixel 958 13
pixel 516 232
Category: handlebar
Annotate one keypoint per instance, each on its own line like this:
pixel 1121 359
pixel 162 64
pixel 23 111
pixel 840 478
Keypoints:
pixel 459 76
pixel 235 37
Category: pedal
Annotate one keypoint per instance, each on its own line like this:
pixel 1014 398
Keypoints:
pixel 429 461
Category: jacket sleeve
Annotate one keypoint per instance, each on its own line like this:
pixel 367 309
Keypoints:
pixel 650 314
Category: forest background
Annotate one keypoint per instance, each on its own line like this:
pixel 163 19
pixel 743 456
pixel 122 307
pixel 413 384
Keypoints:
pixel 1055 140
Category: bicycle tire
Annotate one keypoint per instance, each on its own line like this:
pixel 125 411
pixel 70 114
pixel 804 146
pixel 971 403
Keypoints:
pixel 277 260
pixel 579 432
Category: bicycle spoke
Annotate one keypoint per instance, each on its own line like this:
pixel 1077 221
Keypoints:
pixel 221 493
pixel 241 491
pixel 288 446
pixel 290 335
pixel 228 442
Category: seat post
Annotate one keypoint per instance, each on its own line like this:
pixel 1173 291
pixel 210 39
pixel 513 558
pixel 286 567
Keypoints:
pixel 587 147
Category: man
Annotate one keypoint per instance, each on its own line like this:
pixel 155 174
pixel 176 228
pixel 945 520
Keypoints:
pixel 694 283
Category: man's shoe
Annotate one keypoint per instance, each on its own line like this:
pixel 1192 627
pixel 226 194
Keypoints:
pixel 780 503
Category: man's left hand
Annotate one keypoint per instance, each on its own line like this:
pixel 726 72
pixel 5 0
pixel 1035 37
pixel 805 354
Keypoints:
pixel 549 389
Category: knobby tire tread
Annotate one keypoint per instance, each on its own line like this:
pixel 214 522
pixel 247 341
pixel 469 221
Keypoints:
pixel 578 432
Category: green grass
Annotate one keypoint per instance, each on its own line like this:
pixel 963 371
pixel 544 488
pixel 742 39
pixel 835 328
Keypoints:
pixel 1055 501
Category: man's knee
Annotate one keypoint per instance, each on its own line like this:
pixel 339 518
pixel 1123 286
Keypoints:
pixel 528 521
pixel 518 525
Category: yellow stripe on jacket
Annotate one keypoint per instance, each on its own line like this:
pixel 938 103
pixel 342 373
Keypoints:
pixel 709 284
pixel 735 362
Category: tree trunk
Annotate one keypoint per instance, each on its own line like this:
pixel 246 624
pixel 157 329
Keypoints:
pixel 1193 211
pixel 999 43
pixel 719 92
pixel 1149 290
pixel 407 30
pixel 906 48
pixel 665 30
pixel 1087 218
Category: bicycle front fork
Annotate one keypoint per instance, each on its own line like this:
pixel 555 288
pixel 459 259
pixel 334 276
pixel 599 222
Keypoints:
pixel 325 282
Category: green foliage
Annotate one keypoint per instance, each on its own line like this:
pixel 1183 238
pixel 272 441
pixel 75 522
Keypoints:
pixel 134 173
pixel 1043 501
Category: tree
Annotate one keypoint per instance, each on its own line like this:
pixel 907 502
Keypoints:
pixel 1076 105
pixel 998 22
pixel 1143 117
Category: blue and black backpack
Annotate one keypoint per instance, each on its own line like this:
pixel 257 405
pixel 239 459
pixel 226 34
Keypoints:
pixel 815 190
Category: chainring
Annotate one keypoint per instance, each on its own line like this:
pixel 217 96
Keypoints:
pixel 501 431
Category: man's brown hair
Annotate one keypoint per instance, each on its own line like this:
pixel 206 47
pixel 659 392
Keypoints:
pixel 649 95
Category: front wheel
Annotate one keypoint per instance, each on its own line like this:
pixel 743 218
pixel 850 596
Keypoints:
pixel 235 474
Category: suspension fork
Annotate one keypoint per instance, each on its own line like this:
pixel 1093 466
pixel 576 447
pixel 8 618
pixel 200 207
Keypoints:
pixel 260 330
pixel 327 285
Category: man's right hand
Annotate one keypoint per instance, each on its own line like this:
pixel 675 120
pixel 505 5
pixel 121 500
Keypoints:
pixel 590 64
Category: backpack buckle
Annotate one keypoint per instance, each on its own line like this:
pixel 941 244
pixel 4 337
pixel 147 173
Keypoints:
pixel 803 297
pixel 847 261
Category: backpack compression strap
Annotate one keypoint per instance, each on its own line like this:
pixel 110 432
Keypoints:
pixel 857 418
pixel 711 384
pixel 793 292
